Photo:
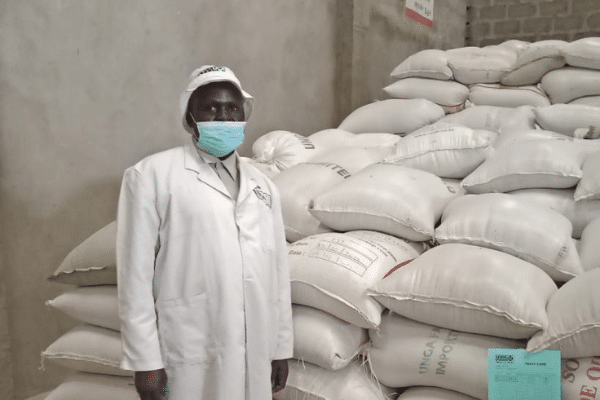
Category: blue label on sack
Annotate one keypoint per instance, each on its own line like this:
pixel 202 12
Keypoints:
pixel 516 374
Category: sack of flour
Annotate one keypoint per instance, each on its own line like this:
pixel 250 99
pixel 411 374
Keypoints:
pixel 397 200
pixel 573 319
pixel 589 251
pixel 443 287
pixel 449 95
pixel 580 378
pixel 88 348
pixel 92 262
pixel 432 393
pixel 580 121
pixel 355 382
pixel 324 340
pixel 481 65
pixel 405 353
pixel 535 61
pixel 495 94
pixel 332 272
pixel 397 116
pixel 588 187
pixel 86 386
pixel 428 63
pixel 527 164
pixel 528 134
pixel 584 53
pixel 580 213
pixel 565 84
pixel 95 305
pixel 333 139
pixel 593 101
pixel 445 150
pixel 495 119
pixel 297 186
pixel 515 226
pixel 283 149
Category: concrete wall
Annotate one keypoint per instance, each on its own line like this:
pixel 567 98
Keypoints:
pixel 89 88
pixel 495 21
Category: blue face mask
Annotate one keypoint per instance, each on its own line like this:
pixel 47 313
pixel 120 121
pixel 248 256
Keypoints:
pixel 219 138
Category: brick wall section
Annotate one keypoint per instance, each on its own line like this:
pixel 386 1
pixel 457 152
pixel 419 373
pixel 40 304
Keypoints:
pixel 495 21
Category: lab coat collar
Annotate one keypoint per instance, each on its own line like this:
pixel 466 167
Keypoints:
pixel 200 164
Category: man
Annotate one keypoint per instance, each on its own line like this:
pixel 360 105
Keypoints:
pixel 204 295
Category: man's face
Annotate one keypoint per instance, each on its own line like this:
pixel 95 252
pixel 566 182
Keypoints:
pixel 218 101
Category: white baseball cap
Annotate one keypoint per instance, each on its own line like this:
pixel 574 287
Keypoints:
pixel 209 74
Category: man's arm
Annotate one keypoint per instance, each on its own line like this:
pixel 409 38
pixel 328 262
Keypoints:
pixel 137 240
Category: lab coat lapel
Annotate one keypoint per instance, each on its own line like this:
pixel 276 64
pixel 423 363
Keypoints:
pixel 206 174
pixel 247 181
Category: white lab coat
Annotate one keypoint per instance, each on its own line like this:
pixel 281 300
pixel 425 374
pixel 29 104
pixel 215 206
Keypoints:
pixel 203 283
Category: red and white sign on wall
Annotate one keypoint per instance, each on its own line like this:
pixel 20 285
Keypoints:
pixel 421 11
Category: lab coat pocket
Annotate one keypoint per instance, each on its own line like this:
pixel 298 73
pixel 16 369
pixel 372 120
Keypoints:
pixel 183 328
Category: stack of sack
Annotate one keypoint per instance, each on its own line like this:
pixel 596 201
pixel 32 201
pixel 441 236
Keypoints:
pixel 494 169
pixel 91 350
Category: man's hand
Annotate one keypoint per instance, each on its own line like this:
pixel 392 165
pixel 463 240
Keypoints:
pixel 279 374
pixel 151 385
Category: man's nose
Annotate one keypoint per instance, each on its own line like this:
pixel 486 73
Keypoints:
pixel 223 115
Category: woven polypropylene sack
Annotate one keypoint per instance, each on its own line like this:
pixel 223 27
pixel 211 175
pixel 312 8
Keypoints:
pixel 310 382
pixel 491 118
pixel 515 226
pixel 428 63
pixel 88 348
pixel 444 287
pixel 283 149
pixel 432 393
pixel 583 53
pixel 93 262
pixel 573 319
pixel 404 353
pixel 580 378
pixel 588 187
pixel 449 95
pixel 589 251
pixel 397 116
pixel 86 386
pixel 527 164
pixel 397 200
pixel 325 340
pixel 569 118
pixel 568 83
pixel 332 272
pixel 481 65
pixel 445 150
pixel 494 94
pixel 95 305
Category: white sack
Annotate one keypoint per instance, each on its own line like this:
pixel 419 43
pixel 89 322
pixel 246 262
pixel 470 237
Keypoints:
pixel 406 353
pixel 580 213
pixel 493 94
pixel 540 50
pixel 297 186
pixel 583 53
pixel 331 138
pixel 283 149
pixel 85 386
pixel 491 118
pixel 580 378
pixel 332 272
pixel 92 262
pixel 593 101
pixel 565 84
pixel 324 340
pixel 269 169
pixel 400 201
pixel 532 73
pixel 573 319
pixel 481 65
pixel 516 226
pixel 310 382
pixel 589 251
pixel 353 159
pixel 588 187
pixel 397 116
pixel 470 289
pixel 568 118
pixel 529 134
pixel 527 164
pixel 432 393
pixel 449 95
pixel 429 63
pixel 88 348
pixel 516 45
pixel 445 150
pixel 96 305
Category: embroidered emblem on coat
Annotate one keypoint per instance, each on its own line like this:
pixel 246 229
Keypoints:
pixel 263 196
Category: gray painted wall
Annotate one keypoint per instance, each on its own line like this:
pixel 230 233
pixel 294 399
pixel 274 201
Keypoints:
pixel 89 88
